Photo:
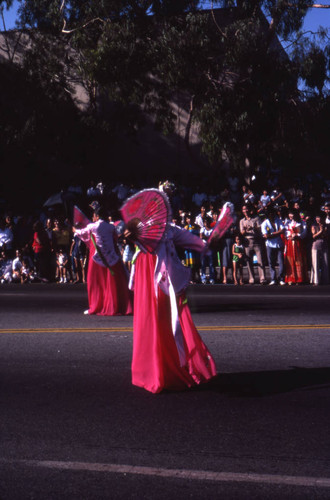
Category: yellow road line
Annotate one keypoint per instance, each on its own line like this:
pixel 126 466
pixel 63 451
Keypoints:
pixel 200 328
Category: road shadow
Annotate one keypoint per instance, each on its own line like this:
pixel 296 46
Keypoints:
pixel 228 307
pixel 267 383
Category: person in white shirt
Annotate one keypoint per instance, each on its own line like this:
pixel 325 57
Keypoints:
pixel 264 199
pixel 199 220
pixel 272 229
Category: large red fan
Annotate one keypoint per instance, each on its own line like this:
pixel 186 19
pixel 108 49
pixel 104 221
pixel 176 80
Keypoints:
pixel 148 212
pixel 79 218
pixel 225 220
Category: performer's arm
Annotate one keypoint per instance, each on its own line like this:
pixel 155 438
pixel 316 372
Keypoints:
pixel 84 234
pixel 185 239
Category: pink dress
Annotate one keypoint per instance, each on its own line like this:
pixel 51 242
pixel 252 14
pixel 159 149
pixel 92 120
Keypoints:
pixel 168 352
pixel 108 293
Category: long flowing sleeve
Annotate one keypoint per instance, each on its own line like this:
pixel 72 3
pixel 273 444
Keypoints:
pixel 186 239
pixel 85 233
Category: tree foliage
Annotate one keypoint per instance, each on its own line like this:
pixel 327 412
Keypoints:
pixel 249 97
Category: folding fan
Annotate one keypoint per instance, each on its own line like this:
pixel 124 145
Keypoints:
pixel 148 212
pixel 79 218
pixel 225 220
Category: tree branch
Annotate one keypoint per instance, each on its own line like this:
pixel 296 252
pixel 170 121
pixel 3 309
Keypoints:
pixel 81 27
pixel 215 22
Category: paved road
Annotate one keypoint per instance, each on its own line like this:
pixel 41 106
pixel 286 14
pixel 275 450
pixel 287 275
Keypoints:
pixel 73 426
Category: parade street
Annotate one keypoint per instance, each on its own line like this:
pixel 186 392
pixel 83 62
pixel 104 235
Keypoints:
pixel 72 425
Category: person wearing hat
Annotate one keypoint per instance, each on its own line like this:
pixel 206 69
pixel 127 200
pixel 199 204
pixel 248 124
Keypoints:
pixel 107 280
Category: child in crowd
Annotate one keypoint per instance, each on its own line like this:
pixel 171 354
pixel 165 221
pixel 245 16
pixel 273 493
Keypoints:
pixel 238 260
pixel 192 258
pixel 27 271
pixel 61 261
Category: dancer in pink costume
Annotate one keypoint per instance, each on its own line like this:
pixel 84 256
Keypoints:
pixel 107 281
pixel 168 352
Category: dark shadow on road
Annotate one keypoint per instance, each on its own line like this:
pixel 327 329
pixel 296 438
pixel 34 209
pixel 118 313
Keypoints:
pixel 267 383
pixel 230 307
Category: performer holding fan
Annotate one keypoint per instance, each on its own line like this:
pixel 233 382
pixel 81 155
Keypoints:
pixel 168 352
pixel 107 281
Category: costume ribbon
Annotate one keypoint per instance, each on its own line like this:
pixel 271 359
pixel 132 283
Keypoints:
pixel 98 250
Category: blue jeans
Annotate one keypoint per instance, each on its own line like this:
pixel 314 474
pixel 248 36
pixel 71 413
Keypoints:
pixel 207 261
pixel 275 255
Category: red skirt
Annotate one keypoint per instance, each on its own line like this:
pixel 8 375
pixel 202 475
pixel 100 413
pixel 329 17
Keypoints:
pixel 108 294
pixel 295 262
pixel 155 363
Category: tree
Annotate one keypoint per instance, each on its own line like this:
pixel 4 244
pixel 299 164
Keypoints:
pixel 241 87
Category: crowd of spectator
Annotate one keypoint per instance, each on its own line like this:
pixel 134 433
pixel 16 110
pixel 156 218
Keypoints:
pixel 286 231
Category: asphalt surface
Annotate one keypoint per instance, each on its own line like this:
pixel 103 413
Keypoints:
pixel 73 427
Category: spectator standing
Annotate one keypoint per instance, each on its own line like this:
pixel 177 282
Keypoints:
pixel 199 220
pixel 250 199
pixel 50 234
pixel 207 258
pixel 41 249
pixel 128 251
pixel 181 217
pixel 226 245
pixel 263 203
pixel 294 253
pixel 77 254
pixel 62 238
pixel 250 229
pixel 277 197
pixel 319 269
pixel 272 229
pixel 192 258
pixel 326 209
pixel 49 231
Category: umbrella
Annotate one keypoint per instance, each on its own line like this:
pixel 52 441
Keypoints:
pixel 59 199
pixel 55 199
